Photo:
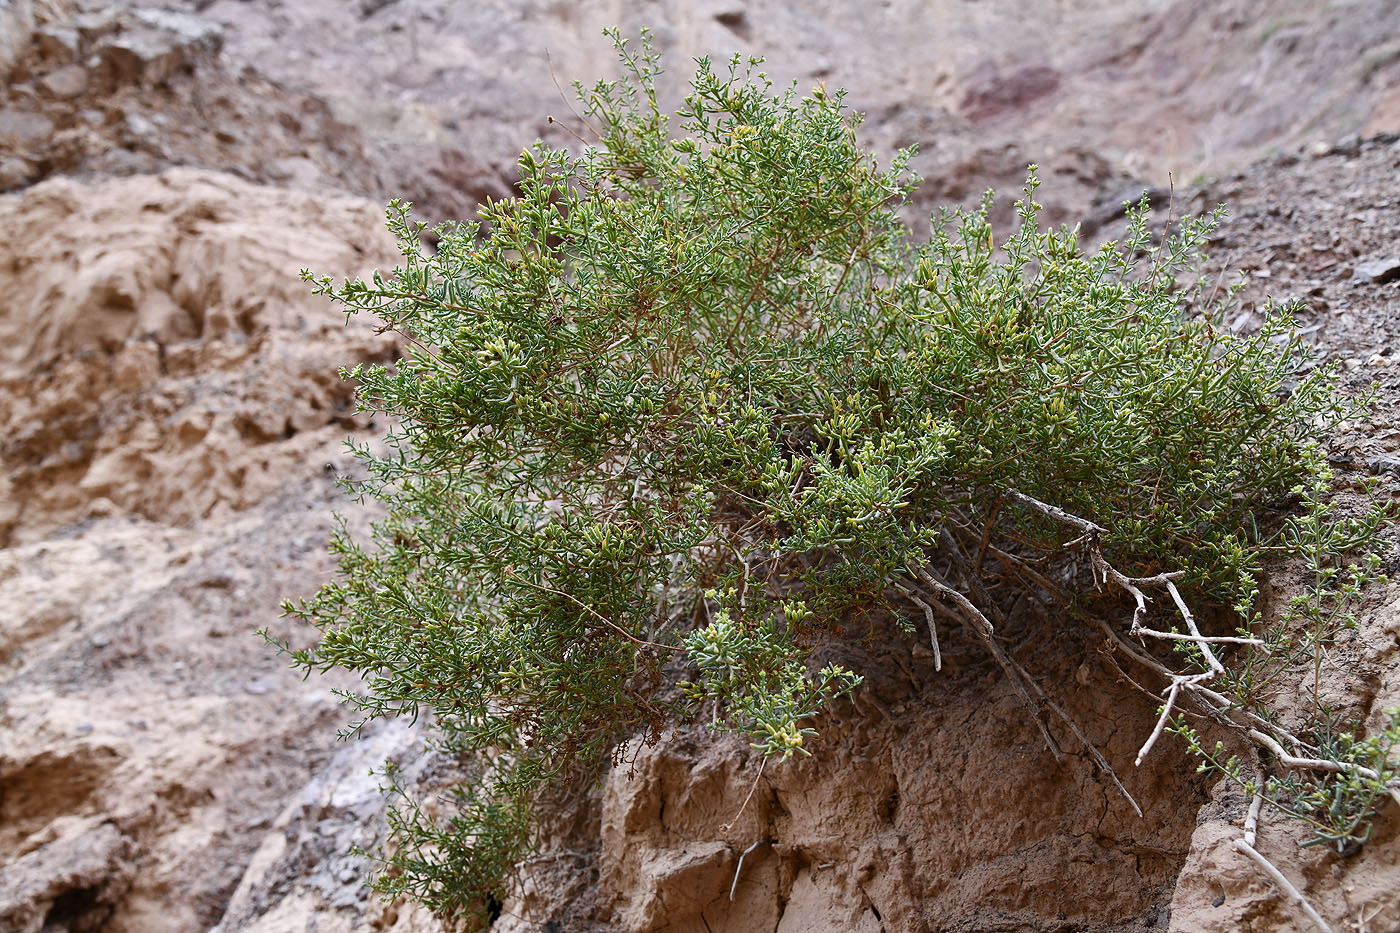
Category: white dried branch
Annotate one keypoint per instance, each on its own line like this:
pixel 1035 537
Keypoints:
pixel 740 867
pixel 1322 764
pixel 1105 572
pixel 1219 706
pixel 1172 691
pixel 1057 513
pixel 1211 659
pixel 1178 683
pixel 971 612
pixel 1251 819
pixel 1201 639
pixel 1283 884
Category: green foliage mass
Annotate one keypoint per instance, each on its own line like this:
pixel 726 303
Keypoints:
pixel 691 402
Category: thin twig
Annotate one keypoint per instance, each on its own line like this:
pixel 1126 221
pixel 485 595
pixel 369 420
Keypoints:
pixel 974 615
pixel 567 102
pixel 1057 513
pixel 932 628
pixel 1251 819
pixel 552 857
pixel 972 619
pixel 1018 565
pixel 727 826
pixel 1093 752
pixel 986 538
pixel 1009 663
pixel 1161 721
pixel 1200 639
pixel 1214 662
pixel 1216 703
pixel 591 611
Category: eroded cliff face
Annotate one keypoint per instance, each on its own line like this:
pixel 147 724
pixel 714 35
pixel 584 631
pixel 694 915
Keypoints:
pixel 161 356
pixel 171 422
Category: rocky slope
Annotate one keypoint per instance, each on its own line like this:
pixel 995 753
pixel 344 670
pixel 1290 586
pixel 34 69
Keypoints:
pixel 1096 91
pixel 172 422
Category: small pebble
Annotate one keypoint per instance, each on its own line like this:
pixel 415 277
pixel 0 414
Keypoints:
pixel 138 125
pixel 1377 271
pixel 66 82
pixel 1384 464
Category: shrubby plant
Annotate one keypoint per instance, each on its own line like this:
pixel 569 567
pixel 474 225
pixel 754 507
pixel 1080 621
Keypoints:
pixel 693 402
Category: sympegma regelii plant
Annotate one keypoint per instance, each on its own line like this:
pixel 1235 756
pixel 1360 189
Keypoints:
pixel 689 403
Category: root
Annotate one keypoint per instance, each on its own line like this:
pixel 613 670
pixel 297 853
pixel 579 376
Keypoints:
pixel 979 625
pixel 752 787
pixel 1246 847
pixel 1218 707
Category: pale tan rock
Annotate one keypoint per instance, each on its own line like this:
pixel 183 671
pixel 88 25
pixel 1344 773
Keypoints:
pixel 134 695
pixel 147 46
pixel 89 856
pixel 816 905
pixel 161 352
pixel 16 26
pixel 65 82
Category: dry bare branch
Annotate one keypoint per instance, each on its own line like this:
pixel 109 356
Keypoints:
pixel 1283 883
pixel 1320 764
pixel 932 627
pixel 1251 820
pixel 740 867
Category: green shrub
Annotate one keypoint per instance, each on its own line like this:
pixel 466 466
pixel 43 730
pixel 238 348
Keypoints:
pixel 690 403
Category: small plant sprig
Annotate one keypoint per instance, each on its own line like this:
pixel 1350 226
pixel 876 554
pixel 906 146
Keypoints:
pixel 761 678
pixel 689 404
